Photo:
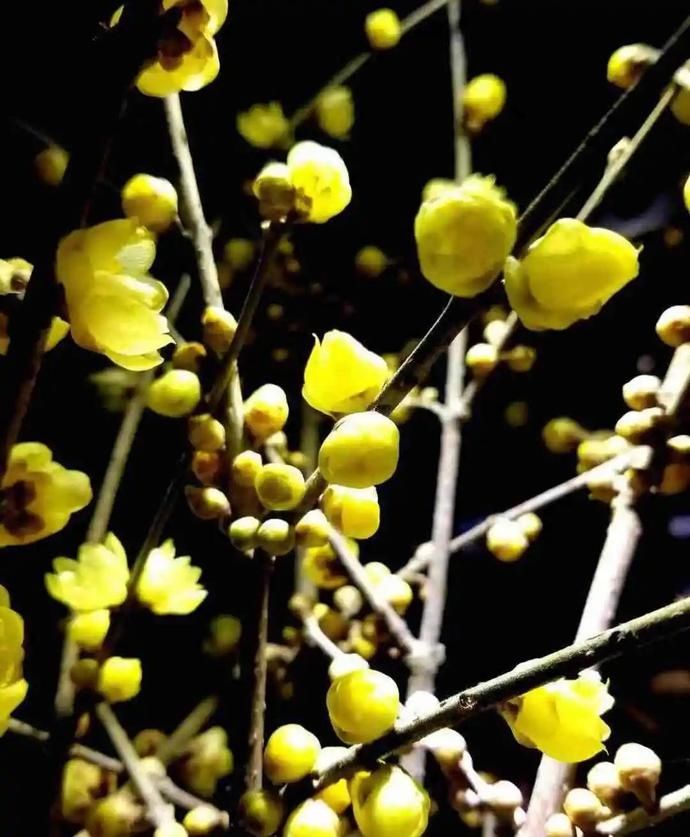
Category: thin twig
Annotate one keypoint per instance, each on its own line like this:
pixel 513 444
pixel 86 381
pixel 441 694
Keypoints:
pixel 626 638
pixel 423 667
pixel 395 624
pixel 670 805
pixel 354 64
pixel 159 812
pixel 316 637
pixel 174 745
pixel 557 492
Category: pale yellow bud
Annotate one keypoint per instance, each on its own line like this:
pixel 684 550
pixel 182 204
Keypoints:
pixel 266 411
pixel 506 540
pixel 562 435
pixel 639 770
pixel 530 524
pixel 151 200
pixel 218 329
pixel 673 326
pixel 189 356
pixel 637 426
pixel 207 503
pixel 243 532
pixel 175 394
pixel 641 391
pixel 205 433
pixel 481 359
pixel 275 192
pixel 584 808
pixel 276 537
pixel 604 781
pixel 383 29
pixel 280 487
pixel 312 529
pixel 50 165
pixel 558 825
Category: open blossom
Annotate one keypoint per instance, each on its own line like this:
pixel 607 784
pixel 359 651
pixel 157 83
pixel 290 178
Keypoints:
pixel 341 375
pixel 13 687
pixel 562 719
pixel 114 305
pixel 96 580
pixel 38 495
pixel 169 584
pixel 320 180
pixel 568 274
pixel 187 57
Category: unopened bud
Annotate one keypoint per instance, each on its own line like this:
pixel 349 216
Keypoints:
pixel 503 798
pixel 218 329
pixel 521 358
pixel 207 467
pixel 205 433
pixel 583 808
pixel 207 503
pixel 639 770
pixel 673 326
pixel 348 600
pixel 189 356
pixel 637 426
pixel 274 190
pixel 243 532
pixel 275 536
pixel 641 391
pixel 481 359
pixel 558 825
pixel 603 780
pixel 495 332
pixel 530 524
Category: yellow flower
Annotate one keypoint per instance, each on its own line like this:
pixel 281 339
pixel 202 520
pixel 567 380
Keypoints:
pixel 483 99
pixel 335 111
pixel 568 274
pixel 113 304
pixel 38 495
pixel 14 278
pixel 337 795
pixel 264 126
pixel 59 329
pixel 680 106
pixel 13 687
pixel 627 64
pixel 96 580
pixel 562 719
pixel 361 450
pixel 383 29
pixel 354 511
pixel 686 194
pixel 169 584
pixel 89 629
pixel 206 760
pixel 389 803
pixel 312 818
pixel 187 56
pixel 371 261
pixel 119 679
pixel 341 375
pixel 151 200
pixel 321 566
pixel 290 754
pixel 321 182
pixel 464 235
pixel 362 705
pixel 50 165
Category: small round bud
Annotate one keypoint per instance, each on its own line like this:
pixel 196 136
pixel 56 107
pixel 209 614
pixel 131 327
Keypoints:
pixel 225 632
pixel 239 253
pixel 583 808
pixel 336 795
pixel 521 358
pixel 280 487
pixel 371 262
pixel 207 503
pixel 481 359
pixel 483 98
pixel 641 391
pixel 639 770
pixel 331 622
pixel 274 189
pixel 562 435
pixel 495 332
pixel 312 818
pixel 362 705
pixel 84 674
pixel 290 754
pixel 396 591
pixel 516 414
pixel 205 433
pixel 245 468
pixel 335 111
pixel 362 450
pixel 50 165
pixel 147 741
pixel 266 411
pixel 601 487
pixel 627 64
pixel 88 630
pixel 261 812
pixel 530 524
pixel 675 478
pixel 504 798
pixel 207 467
pixel 175 394
pixel 119 679
pixel 312 529
pixel 345 664
pixel 673 326
pixel 275 537
pixel 604 782
pixel 383 29
pixel 243 532
pixel 448 749
pixel 189 356
pixel 117 814
pixel 353 511
pixel 348 600
pixel 201 820
pixel 151 200
pixel 218 329
pixel 558 825
pixel 637 426
pixel 506 540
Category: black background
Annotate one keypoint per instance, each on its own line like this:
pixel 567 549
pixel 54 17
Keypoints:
pixel 553 58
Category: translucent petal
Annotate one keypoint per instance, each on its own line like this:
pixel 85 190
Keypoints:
pixel 137 363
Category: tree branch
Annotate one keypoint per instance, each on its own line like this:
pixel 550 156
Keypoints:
pixel 670 805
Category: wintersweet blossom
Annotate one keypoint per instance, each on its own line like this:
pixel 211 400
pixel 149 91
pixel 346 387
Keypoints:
pixel 321 181
pixel 169 584
pixel 114 305
pixel 389 802
pixel 13 687
pixel 38 495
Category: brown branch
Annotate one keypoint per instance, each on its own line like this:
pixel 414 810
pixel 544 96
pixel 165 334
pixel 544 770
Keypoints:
pixel 626 638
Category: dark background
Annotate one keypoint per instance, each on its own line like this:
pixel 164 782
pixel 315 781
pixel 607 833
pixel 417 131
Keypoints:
pixel 553 59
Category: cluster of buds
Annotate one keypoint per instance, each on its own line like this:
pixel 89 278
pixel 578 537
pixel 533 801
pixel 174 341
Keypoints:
pixel 508 539
pixel 613 787
pixel 482 358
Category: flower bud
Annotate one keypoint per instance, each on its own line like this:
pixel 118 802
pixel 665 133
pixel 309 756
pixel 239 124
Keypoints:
pixel 348 600
pixel 207 467
pixel 520 358
pixel 275 192
pixel 388 795
pixel 627 64
pixel 362 705
pixel 639 770
pixel 562 435
pixel 506 540
pixel 290 754
pixel 261 812
pixel 312 818
pixel 447 749
pixel 50 165
pixel 353 511
pixel 321 181
pixel 207 503
pixel 321 566
pixel 370 262
pixel 483 98
pixel 641 391
pixel 504 799
pixel 201 820
pixel 119 679
pixel 84 674
pixel 218 329
pixel 495 332
pixel 239 253
pixel 266 411
pixel 245 468
pixel 205 433
pixel 360 451
pixel 312 529
pixel 481 359
pixel 383 29
pixel 147 741
pixel 673 326
pixel 603 780
pixel 243 533
pixel 88 629
pixel 583 808
pixel 151 200
pixel 678 448
pixel 336 795
pixel 530 524
pixel 637 426
pixel 275 537
pixel 175 394
pixel 170 829
pixel 280 487
pixel 224 635
pixel 396 591
pixel 335 111
pixel 189 356
pixel 264 125
pixel 558 825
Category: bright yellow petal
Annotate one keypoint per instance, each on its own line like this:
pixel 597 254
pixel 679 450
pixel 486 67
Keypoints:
pixel 59 329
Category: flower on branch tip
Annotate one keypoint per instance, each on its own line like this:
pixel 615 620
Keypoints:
pixel 170 585
pixel 96 580
pixel 383 29
pixel 562 719
pixel 389 802
pixel 464 235
pixel 114 305
pixel 13 687
pixel 341 375
pixel 568 274
pixel 264 126
pixel 483 98
pixel 37 495
pixel 187 56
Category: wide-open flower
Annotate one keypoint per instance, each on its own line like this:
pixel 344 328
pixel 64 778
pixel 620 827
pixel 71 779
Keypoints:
pixel 13 687
pixel 37 495
pixel 341 375
pixel 187 57
pixel 169 584
pixel 113 303
pixel 96 580
pixel 562 719
pixel 568 274
pixel 321 181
